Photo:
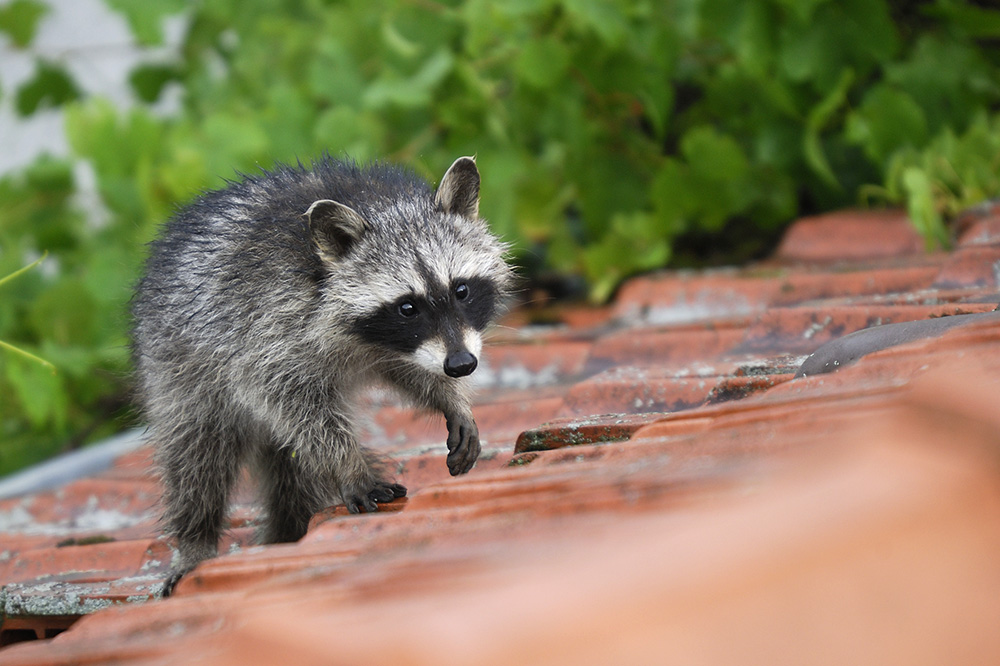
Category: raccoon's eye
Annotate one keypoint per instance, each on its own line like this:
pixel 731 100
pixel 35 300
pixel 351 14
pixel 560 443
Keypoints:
pixel 462 291
pixel 407 309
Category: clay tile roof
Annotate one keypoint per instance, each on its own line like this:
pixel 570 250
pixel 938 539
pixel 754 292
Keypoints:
pixel 657 485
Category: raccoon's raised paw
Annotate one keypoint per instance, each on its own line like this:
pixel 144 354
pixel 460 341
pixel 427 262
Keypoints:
pixel 382 492
pixel 463 444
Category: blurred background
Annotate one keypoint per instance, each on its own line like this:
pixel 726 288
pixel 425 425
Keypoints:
pixel 614 137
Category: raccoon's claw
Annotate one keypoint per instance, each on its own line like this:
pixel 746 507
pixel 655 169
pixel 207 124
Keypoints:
pixel 382 492
pixel 173 578
pixel 386 492
pixel 356 504
pixel 463 445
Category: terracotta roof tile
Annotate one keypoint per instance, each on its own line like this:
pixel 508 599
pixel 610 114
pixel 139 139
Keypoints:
pixel 671 345
pixel 798 287
pixel 980 228
pixel 804 329
pixel 721 295
pixel 971 266
pixel 850 236
pixel 596 429
pixel 653 477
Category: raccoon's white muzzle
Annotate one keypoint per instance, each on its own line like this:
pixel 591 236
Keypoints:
pixel 434 355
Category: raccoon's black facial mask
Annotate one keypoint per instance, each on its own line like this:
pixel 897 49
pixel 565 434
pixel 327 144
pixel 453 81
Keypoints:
pixel 477 299
pixel 409 321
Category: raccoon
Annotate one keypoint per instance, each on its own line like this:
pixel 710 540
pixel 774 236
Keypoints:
pixel 265 309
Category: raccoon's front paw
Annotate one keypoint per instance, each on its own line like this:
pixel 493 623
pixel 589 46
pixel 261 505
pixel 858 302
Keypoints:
pixel 463 444
pixel 368 500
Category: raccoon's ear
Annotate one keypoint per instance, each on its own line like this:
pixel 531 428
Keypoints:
pixel 458 192
pixel 334 226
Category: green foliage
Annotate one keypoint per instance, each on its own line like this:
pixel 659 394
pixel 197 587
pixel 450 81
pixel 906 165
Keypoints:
pixel 51 86
pixel 609 132
pixel 952 173
pixel 146 18
pixel 59 313
pixel 19 20
pixel 13 349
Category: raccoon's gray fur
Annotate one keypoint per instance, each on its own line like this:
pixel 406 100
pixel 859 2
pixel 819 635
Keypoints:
pixel 268 305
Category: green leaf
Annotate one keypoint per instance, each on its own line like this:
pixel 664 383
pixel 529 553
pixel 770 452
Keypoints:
pixel 414 91
pixel 148 81
pixel 542 62
pixel 65 313
pixel 632 244
pixel 236 142
pixel 953 173
pixel 713 155
pixel 855 34
pixel 756 37
pixel 20 18
pixel 121 147
pixel 717 178
pixel 74 362
pixel 805 51
pixel 604 17
pixel 818 118
pixel 887 120
pixel 50 86
pixel 341 129
pixel 500 195
pixel 109 277
pixel 333 75
pixel 803 9
pixel 977 22
pixel 288 120
pixel 50 176
pixel 949 80
pixel 922 207
pixel 146 18
pixel 39 391
pixel 176 179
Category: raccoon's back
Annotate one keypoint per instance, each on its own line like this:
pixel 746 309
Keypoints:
pixel 221 264
pixel 256 225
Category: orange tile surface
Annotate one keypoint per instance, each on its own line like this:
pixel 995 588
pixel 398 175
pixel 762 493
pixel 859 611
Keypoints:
pixel 656 487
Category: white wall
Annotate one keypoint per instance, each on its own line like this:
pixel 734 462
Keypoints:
pixel 95 46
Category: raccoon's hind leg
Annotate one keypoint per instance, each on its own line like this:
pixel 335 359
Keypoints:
pixel 199 466
pixel 327 462
pixel 292 492
pixel 375 490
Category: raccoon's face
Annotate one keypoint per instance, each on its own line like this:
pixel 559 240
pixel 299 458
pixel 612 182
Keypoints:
pixel 425 279
pixel 439 329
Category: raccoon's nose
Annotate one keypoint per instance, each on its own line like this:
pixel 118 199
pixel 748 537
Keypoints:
pixel 460 364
